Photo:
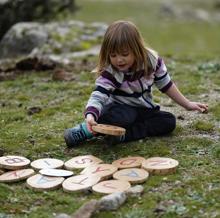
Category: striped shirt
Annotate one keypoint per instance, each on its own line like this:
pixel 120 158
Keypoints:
pixel 120 87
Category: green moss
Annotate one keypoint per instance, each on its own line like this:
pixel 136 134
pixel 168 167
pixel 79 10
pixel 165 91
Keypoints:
pixel 203 126
pixel 216 111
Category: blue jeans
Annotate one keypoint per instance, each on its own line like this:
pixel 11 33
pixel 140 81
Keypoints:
pixel 138 122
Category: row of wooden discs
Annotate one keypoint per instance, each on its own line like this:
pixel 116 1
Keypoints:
pixel 47 173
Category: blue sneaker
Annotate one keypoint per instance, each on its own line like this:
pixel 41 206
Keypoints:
pixel 74 136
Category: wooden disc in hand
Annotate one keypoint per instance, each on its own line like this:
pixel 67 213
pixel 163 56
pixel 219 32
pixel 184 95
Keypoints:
pixel 16 175
pixel 109 129
pixel 13 162
pixel 111 186
pixel 160 165
pixel 41 183
pixel 132 175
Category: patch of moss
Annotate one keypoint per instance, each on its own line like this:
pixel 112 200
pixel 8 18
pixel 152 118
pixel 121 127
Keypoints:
pixel 203 126
pixel 216 111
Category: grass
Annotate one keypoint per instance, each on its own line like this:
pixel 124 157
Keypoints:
pixel 193 191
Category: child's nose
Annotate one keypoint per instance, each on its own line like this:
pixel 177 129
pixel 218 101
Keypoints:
pixel 119 59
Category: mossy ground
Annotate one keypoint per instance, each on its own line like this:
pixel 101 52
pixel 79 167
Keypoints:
pixel 193 191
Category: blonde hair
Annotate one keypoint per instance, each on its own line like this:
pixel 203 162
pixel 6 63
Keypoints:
pixel 124 35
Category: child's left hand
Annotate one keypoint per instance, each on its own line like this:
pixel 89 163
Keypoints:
pixel 203 108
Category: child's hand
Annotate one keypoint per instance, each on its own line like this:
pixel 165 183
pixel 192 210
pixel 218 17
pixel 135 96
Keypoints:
pixel 203 108
pixel 90 121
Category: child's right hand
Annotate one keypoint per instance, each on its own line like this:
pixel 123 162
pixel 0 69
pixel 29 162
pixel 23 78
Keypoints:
pixel 90 121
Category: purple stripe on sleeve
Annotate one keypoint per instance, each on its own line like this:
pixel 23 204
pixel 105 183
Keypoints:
pixel 110 77
pixel 104 81
pixel 167 86
pixel 93 111
pixel 159 63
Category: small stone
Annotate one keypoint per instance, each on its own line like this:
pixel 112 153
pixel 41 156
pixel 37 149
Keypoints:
pixel 34 110
pixel 62 215
pixel 180 117
pixel 135 191
pixel 112 201
pixel 62 75
pixel 86 210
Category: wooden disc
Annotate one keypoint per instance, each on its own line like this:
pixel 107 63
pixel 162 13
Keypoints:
pixel 109 129
pixel 47 163
pixel 128 162
pixel 13 162
pixel 111 186
pixel 104 171
pixel 80 183
pixel 80 162
pixel 41 183
pixel 132 175
pixel 160 165
pixel 16 175
pixel 56 172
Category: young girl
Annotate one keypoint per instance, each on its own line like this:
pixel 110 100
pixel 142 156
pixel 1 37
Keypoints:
pixel 122 97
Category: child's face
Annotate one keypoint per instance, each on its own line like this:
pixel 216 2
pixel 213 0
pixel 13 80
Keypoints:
pixel 122 61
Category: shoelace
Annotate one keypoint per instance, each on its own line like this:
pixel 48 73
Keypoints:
pixel 78 136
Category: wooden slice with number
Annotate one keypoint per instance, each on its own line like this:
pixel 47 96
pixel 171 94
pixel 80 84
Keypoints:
pixel 132 175
pixel 109 129
pixel 128 162
pixel 104 171
pixel 160 165
pixel 80 183
pixel 42 183
pixel 13 162
pixel 111 186
pixel 80 162
pixel 56 172
pixel 47 163
pixel 16 175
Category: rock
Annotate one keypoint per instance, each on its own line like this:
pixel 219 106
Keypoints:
pixel 57 38
pixel 22 38
pixel 68 57
pixel 35 63
pixel 135 191
pixel 86 210
pixel 180 117
pixel 15 11
pixel 34 110
pixel 112 201
pixel 62 75
pixel 62 215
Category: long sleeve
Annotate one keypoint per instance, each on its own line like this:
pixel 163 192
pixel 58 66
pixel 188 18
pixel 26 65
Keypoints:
pixel 162 78
pixel 106 83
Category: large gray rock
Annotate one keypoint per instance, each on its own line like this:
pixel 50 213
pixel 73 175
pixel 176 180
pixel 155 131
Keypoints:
pixel 112 201
pixel 22 39
pixel 14 11
pixel 55 38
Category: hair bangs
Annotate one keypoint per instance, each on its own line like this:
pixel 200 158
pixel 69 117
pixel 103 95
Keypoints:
pixel 120 42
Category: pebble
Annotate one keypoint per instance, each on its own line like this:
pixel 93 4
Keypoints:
pixel 112 201
pixel 135 191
